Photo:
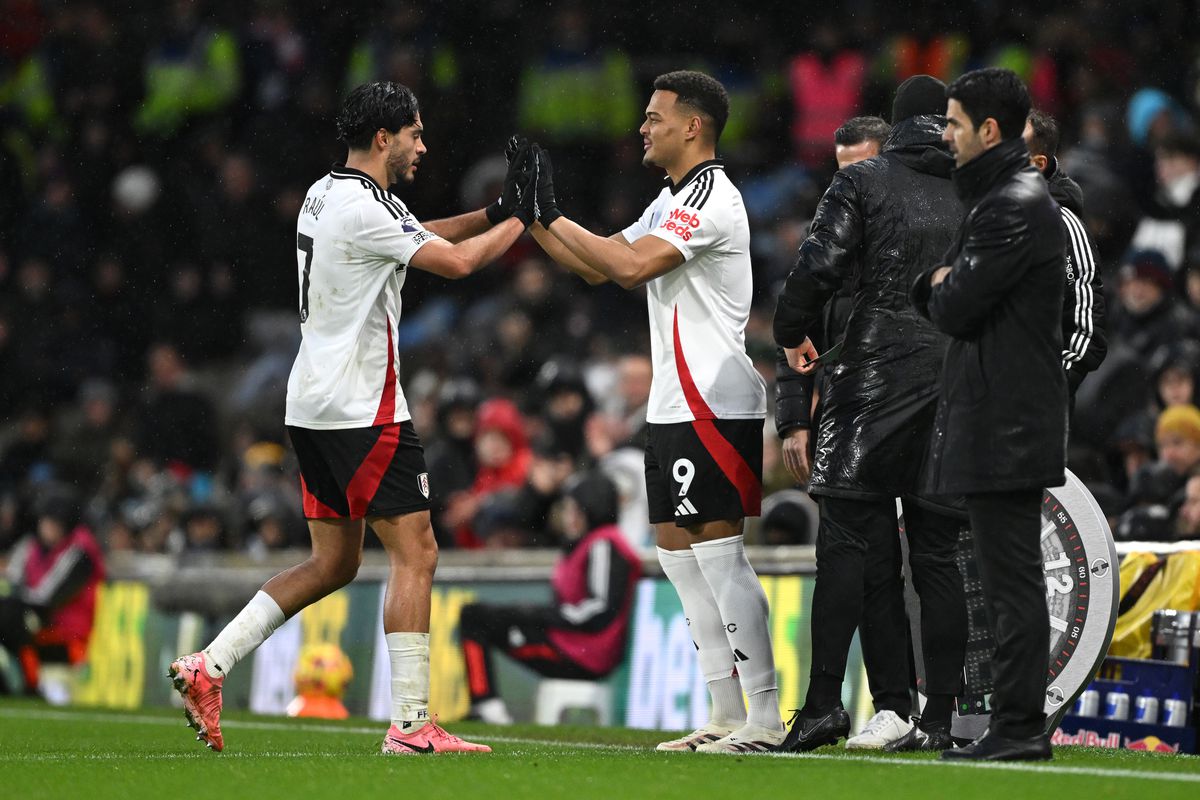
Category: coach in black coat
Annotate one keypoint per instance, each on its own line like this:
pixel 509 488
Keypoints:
pixel 1001 420
pixel 878 224
pixel 1001 428
pixel 891 216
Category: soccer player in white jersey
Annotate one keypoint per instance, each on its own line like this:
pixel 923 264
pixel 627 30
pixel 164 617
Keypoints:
pixel 691 249
pixel 360 459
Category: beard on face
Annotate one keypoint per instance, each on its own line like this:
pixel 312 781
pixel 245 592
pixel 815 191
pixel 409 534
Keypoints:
pixel 397 165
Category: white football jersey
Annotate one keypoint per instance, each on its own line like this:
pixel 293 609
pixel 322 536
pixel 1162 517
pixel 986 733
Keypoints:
pixel 698 311
pixel 353 244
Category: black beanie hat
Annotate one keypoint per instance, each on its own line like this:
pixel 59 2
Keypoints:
pixel 596 496
pixel 920 94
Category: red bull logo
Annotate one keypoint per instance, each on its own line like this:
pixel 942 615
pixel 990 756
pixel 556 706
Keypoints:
pixel 1086 738
pixel 1151 744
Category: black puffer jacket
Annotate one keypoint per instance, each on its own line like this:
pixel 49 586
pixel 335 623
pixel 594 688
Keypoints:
pixel 879 223
pixel 1002 415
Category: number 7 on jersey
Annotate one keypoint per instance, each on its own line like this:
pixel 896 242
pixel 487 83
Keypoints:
pixel 305 245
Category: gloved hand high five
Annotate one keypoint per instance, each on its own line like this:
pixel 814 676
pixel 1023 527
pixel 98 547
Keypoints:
pixel 546 206
pixel 519 155
pixel 526 189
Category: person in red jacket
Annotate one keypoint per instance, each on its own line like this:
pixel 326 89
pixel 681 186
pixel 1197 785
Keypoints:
pixel 583 634
pixel 53 577
pixel 503 452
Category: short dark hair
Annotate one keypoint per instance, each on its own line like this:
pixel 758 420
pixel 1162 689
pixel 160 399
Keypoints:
pixel 702 92
pixel 996 93
pixel 1044 141
pixel 862 129
pixel 371 106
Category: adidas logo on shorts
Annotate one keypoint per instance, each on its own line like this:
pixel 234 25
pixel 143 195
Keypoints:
pixel 685 508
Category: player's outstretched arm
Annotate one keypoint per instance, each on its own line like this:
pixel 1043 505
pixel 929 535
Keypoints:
pixel 627 265
pixel 564 257
pixel 594 257
pixel 467 257
pixel 461 227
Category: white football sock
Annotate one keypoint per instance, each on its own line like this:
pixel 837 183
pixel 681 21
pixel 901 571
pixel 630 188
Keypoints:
pixel 409 654
pixel 728 705
pixel 704 624
pixel 744 615
pixel 250 628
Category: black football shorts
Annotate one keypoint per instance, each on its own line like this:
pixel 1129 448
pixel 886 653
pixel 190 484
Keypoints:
pixel 703 471
pixel 361 472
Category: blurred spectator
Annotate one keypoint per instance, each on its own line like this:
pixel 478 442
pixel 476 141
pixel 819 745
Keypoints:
pixel 193 69
pixel 827 84
pixel 1188 522
pixel 581 636
pixel 203 529
pixel 1175 375
pixel 1177 438
pixel 83 440
pixel 1172 225
pixel 27 456
pixel 176 424
pixel 1149 314
pixel 565 404
pixel 450 454
pixel 503 454
pixel 53 574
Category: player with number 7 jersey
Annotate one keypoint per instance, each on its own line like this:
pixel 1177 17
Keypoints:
pixel 691 249
pixel 360 459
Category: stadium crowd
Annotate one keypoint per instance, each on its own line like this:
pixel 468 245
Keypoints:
pixel 152 163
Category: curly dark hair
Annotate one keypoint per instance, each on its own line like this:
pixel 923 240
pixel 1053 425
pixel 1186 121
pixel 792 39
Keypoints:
pixel 993 93
pixel 371 106
pixel 701 92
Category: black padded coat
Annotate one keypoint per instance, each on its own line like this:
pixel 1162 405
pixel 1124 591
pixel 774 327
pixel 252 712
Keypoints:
pixel 878 225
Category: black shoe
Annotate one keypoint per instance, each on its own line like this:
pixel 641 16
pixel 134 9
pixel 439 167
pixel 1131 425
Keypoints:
pixel 993 747
pixel 809 733
pixel 937 737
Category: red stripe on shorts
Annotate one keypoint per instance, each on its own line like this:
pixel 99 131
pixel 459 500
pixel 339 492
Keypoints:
pixel 387 401
pixel 370 472
pixel 732 465
pixel 730 461
pixel 314 508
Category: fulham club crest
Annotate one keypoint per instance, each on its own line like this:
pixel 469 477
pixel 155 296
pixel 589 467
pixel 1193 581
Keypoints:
pixel 423 484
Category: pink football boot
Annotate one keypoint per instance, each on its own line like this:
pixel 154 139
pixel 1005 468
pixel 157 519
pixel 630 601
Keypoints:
pixel 429 738
pixel 201 697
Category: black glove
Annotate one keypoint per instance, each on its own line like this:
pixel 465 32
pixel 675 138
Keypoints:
pixel 526 189
pixel 515 156
pixel 545 206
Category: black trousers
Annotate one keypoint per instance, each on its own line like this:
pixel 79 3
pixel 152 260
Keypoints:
pixel 521 633
pixel 859 585
pixel 1006 526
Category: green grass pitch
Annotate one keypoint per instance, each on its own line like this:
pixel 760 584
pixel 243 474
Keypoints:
pixel 93 754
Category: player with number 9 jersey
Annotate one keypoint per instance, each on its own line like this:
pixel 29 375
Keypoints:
pixel 691 249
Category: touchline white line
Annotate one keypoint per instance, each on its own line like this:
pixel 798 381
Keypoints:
pixel 142 719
